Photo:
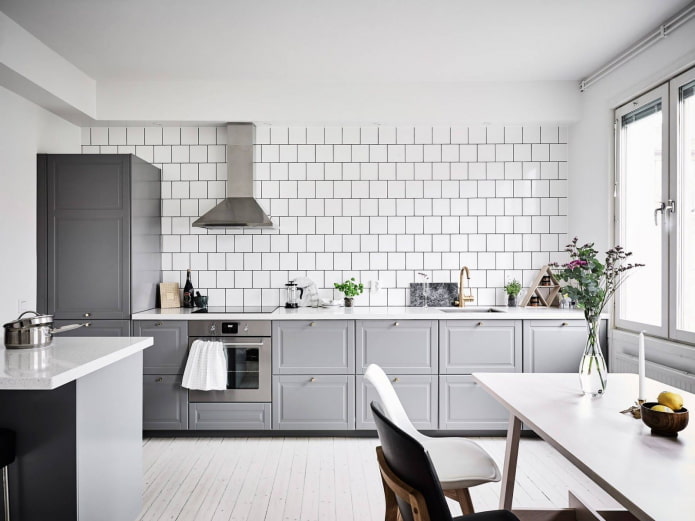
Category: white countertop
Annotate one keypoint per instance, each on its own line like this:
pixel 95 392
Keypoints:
pixel 65 360
pixel 370 313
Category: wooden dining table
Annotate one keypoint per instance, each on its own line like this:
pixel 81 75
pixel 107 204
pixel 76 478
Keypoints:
pixel 652 477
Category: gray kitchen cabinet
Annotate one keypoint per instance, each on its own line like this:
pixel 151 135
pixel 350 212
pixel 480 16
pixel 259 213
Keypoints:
pixel 165 403
pixel 556 346
pixel 464 405
pixel 419 394
pixel 313 347
pixel 467 346
pixel 229 416
pixel 321 402
pixel 397 346
pixel 98 235
pixel 96 328
pixel 170 350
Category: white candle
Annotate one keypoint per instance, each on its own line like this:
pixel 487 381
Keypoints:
pixel 640 353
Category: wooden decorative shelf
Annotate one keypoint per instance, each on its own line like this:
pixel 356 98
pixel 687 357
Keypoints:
pixel 548 295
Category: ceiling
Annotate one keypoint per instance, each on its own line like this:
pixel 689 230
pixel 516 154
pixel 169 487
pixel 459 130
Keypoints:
pixel 347 40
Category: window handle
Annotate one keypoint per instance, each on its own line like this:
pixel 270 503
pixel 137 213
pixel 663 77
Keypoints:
pixel 669 206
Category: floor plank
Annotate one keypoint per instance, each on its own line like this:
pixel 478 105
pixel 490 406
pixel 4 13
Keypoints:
pixel 320 479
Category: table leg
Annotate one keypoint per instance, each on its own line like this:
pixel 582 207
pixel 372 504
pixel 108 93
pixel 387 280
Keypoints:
pixel 510 456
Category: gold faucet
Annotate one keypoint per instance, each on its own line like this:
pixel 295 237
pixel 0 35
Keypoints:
pixel 464 298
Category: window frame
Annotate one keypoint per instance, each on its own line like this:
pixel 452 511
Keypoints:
pixel 676 167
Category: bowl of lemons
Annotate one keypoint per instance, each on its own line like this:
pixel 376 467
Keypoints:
pixel 666 416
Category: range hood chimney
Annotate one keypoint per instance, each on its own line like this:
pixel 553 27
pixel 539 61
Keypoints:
pixel 239 209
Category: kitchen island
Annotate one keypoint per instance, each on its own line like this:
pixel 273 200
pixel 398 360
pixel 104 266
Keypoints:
pixel 76 407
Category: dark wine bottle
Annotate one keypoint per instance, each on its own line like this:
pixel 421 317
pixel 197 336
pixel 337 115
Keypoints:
pixel 188 291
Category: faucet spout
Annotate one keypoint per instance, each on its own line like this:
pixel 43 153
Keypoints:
pixel 464 298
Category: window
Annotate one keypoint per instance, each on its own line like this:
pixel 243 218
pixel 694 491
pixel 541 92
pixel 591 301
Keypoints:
pixel 655 209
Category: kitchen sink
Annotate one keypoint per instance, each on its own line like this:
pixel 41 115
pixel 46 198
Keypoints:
pixel 480 309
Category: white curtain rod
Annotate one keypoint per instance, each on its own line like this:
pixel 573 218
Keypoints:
pixel 661 32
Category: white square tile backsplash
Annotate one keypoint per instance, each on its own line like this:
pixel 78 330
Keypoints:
pixel 374 203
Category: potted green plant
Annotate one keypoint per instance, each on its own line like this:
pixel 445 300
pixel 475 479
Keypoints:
pixel 512 289
pixel 351 289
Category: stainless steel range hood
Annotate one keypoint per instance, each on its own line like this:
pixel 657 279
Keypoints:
pixel 239 209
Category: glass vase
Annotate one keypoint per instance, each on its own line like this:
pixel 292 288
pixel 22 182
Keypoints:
pixel 593 373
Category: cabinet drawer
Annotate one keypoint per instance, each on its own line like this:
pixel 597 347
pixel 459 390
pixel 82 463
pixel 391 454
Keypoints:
pixel 165 403
pixel 398 346
pixel 418 394
pixel 467 346
pixel 556 346
pixel 464 405
pixel 307 347
pixel 169 352
pixel 317 402
pixel 229 416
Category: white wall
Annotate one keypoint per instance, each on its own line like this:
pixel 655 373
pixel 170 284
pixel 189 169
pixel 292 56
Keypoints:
pixel 591 172
pixel 25 130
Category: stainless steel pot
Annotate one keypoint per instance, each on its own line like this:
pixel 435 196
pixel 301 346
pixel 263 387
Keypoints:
pixel 35 331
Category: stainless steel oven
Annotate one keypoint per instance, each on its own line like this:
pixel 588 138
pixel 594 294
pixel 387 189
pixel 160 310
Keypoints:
pixel 247 345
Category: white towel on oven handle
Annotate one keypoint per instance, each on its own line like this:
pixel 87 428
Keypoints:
pixel 206 367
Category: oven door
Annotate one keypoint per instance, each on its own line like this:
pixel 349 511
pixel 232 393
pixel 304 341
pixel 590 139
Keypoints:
pixel 248 371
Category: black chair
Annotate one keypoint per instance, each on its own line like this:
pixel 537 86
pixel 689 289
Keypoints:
pixel 410 481
pixel 7 456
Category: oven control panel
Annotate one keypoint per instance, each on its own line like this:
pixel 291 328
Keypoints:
pixel 208 328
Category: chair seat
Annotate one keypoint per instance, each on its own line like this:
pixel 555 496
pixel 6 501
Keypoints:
pixel 460 463
pixel 7 447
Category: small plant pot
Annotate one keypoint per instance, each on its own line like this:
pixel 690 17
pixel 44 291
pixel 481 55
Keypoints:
pixel 511 301
pixel 348 302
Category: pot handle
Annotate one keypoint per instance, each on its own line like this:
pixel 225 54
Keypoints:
pixel 34 312
pixel 69 327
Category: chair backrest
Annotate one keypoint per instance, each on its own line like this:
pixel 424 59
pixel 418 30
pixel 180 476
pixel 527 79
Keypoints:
pixel 389 401
pixel 409 460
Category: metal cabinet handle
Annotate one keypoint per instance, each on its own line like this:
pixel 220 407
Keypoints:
pixel 160 379
pixel 312 324
pixel 157 324
pixel 479 324
pixel 312 379
pixel 87 315
pixel 87 324
pixel 565 324
pixel 396 324
pixel 396 379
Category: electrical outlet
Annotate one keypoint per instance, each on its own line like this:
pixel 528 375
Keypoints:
pixel 22 305
pixel 375 286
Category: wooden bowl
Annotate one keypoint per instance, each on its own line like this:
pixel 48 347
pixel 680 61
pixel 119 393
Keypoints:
pixel 664 423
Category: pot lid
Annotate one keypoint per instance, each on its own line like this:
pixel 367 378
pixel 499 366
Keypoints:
pixel 37 320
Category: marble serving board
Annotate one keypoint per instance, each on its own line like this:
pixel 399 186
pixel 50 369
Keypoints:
pixel 441 294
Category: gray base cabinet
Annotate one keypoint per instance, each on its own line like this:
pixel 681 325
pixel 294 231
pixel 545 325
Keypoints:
pixel 469 346
pixel 165 403
pixel 556 346
pixel 321 402
pixel 170 350
pixel 464 405
pixel 229 416
pixel 308 347
pixel 419 395
pixel 397 346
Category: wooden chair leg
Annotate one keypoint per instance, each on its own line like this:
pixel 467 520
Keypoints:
pixel 463 497
pixel 392 512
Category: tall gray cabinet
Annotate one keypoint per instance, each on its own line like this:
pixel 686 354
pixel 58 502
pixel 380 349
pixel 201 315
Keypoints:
pixel 99 239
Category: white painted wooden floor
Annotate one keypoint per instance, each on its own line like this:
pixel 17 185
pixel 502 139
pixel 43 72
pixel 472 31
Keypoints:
pixel 319 479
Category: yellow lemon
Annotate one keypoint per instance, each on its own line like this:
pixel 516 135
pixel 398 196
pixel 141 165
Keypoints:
pixel 672 400
pixel 662 408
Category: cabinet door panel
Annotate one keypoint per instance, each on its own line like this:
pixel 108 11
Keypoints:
pixel 320 402
pixel 96 328
pixel 464 405
pixel 556 346
pixel 321 347
pixel 165 403
pixel 170 350
pixel 417 393
pixel 398 346
pixel 468 346
pixel 229 416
